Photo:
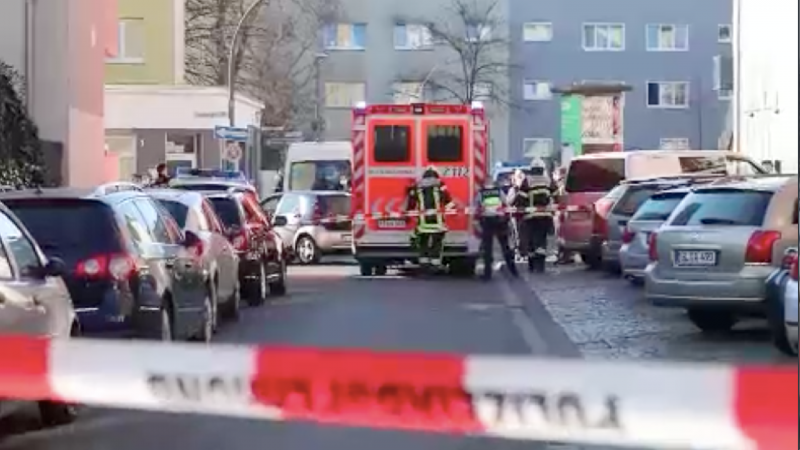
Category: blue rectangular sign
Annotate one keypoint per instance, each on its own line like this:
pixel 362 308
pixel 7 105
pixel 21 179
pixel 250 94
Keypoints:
pixel 231 134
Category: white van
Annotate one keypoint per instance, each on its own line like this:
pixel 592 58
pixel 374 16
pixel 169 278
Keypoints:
pixel 317 166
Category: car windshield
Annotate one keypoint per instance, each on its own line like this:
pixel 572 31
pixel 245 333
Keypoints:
pixel 723 207
pixel 69 229
pixel 335 204
pixel 178 210
pixel 318 175
pixel 594 174
pixel 228 211
pixel 659 207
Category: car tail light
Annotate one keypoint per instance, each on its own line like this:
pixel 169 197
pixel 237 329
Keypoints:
pixel 628 235
pixel 759 247
pixel 793 269
pixel 239 241
pixel 601 209
pixel 116 266
pixel 652 247
pixel 788 259
pixel 198 249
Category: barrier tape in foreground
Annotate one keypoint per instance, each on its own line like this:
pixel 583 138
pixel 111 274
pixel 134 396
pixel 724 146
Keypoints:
pixel 607 403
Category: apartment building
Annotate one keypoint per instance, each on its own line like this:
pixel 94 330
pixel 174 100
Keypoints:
pixel 383 52
pixel 664 50
pixel 60 46
pixel 151 115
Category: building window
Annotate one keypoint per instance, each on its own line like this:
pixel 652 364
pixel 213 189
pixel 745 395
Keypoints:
pixel 674 144
pixel 667 38
pixel 724 94
pixel 537 90
pixel 406 92
pixel 412 37
pixel 537 32
pixel 345 36
pixel 603 37
pixel 537 148
pixel 670 94
pixel 478 32
pixel 724 34
pixel 130 42
pixel 344 95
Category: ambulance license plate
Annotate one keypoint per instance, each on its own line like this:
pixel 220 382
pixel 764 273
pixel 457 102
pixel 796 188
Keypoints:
pixel 392 223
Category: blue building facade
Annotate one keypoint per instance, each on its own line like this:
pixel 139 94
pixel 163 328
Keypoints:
pixel 665 50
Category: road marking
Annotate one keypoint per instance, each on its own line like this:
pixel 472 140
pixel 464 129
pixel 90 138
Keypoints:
pixel 533 339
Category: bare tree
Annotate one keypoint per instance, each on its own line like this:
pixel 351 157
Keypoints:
pixel 275 58
pixel 476 64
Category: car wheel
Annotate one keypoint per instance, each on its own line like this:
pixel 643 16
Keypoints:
pixel 381 270
pixel 463 267
pixel 166 323
pixel 215 312
pixel 258 292
pixel 207 328
pixel 55 414
pixel 278 287
pixel 307 251
pixel 712 321
pixel 592 260
pixel 234 305
pixel 365 270
pixel 776 321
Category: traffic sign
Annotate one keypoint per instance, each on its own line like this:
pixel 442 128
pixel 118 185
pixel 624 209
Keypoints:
pixel 233 151
pixel 231 133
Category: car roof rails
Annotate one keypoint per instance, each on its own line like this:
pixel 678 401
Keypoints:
pixel 679 178
pixel 117 186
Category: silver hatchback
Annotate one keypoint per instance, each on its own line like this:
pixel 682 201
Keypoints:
pixel 718 247
pixel 633 254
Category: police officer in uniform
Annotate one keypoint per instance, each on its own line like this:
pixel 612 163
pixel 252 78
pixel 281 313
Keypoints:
pixel 494 225
pixel 517 199
pixel 429 197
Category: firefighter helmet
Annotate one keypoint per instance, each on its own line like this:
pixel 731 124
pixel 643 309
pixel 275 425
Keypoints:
pixel 431 172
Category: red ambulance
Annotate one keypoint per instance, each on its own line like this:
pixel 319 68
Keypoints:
pixel 392 146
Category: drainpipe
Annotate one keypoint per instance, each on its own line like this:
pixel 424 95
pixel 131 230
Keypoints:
pixel 29 56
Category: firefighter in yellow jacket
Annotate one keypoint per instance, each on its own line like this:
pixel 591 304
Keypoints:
pixel 429 198
pixel 536 196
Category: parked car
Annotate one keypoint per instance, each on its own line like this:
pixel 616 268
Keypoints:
pixel 130 270
pixel 220 261
pixel 310 238
pixel 213 180
pixel 33 301
pixel 716 250
pixel 634 253
pixel 613 211
pixel 781 301
pixel 262 256
pixel 591 176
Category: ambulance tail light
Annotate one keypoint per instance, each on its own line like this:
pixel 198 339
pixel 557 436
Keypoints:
pixel 361 106
pixel 477 105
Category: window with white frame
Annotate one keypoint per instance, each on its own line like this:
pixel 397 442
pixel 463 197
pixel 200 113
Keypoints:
pixel 537 90
pixel 668 94
pixel 537 148
pixel 537 32
pixel 667 37
pixel 345 36
pixel 344 95
pixel 130 41
pixel 724 34
pixel 674 143
pixel 411 36
pixel 603 36
pixel 405 92
pixel 478 32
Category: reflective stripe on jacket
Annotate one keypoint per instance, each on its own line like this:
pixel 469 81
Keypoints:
pixel 430 223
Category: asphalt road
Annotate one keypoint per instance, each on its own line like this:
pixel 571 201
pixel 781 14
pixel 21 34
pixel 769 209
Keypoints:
pixel 330 306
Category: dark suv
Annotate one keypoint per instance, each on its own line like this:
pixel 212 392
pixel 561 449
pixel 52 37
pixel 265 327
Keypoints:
pixel 130 270
pixel 262 256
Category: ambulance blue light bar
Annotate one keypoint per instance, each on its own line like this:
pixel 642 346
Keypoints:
pixel 233 175
pixel 416 109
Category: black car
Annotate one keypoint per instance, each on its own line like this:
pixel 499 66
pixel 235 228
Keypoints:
pixel 131 272
pixel 262 256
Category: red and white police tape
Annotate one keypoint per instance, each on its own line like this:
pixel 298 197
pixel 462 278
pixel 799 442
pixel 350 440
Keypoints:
pixel 477 212
pixel 579 401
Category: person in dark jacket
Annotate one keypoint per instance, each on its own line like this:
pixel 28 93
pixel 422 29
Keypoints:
pixel 429 197
pixel 535 197
pixel 162 177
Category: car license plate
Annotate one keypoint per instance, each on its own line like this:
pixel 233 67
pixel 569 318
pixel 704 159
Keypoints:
pixel 347 237
pixel 392 223
pixel 695 258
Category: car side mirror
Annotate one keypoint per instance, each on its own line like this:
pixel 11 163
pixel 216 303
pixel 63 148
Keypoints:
pixel 190 240
pixel 280 221
pixel 55 267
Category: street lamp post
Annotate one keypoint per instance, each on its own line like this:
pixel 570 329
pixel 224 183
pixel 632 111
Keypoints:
pixel 231 55
pixel 318 125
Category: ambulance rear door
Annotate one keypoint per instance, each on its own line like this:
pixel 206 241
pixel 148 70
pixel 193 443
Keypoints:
pixel 392 166
pixel 445 144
